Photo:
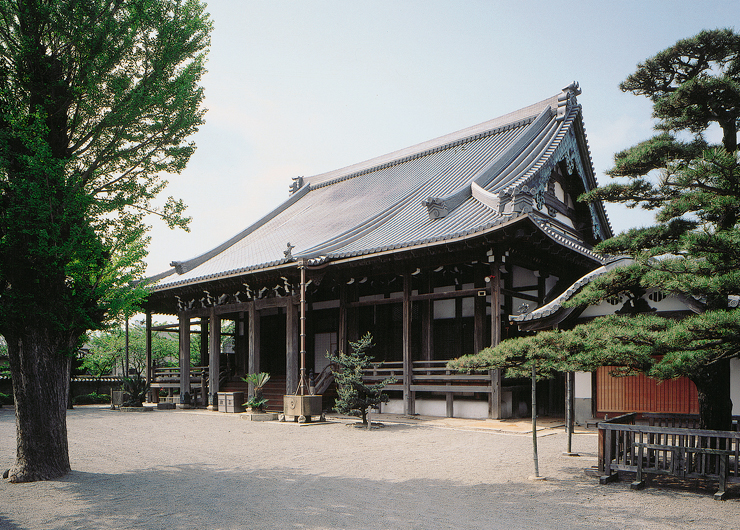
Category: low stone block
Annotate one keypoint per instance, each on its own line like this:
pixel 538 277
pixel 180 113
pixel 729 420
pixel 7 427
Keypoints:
pixel 265 416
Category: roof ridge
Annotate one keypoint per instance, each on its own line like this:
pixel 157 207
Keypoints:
pixel 508 121
pixel 181 267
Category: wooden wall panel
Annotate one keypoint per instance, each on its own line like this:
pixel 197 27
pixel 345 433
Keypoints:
pixel 641 394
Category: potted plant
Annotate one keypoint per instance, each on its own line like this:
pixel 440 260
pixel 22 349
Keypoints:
pixel 134 391
pixel 256 402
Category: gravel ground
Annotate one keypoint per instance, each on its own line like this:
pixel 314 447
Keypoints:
pixel 206 470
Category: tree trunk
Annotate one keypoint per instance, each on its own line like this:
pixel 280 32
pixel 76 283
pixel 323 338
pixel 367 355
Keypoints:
pixel 41 388
pixel 713 386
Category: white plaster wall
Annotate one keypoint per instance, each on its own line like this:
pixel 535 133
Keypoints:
pixel 669 303
pixel 564 219
pixel 583 388
pixel 444 308
pixel 601 309
pixel 559 193
pixel 462 408
pixel 522 277
pixel 394 406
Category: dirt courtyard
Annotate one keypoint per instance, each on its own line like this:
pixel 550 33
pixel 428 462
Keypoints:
pixel 209 471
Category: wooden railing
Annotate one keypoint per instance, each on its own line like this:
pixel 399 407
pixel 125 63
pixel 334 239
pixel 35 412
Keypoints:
pixel 686 421
pixel 676 451
pixel 429 376
pixel 324 380
pixel 170 377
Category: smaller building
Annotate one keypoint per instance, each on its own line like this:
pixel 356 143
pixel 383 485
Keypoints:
pixel 599 394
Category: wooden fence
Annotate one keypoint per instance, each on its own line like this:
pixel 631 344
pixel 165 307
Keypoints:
pixel 676 451
pixel 434 377
pixel 169 379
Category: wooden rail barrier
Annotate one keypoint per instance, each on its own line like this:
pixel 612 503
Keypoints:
pixel 169 378
pixel 429 376
pixel 674 451
pixel 433 376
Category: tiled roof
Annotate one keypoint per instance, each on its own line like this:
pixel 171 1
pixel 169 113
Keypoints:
pixel 456 185
pixel 557 304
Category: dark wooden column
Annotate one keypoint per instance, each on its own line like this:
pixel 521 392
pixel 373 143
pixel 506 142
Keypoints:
pixel 427 324
pixel 494 404
pixel 148 348
pixel 240 344
pixel 214 357
pixel 204 341
pixel 184 358
pixel 342 344
pixel 254 341
pixel 292 330
pixel 353 317
pixel 479 318
pixel 408 396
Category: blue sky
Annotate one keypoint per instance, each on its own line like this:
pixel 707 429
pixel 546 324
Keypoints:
pixel 303 87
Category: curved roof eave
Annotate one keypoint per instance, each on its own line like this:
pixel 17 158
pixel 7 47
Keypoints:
pixel 554 312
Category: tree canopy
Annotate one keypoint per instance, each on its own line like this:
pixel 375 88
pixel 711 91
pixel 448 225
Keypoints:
pixel 97 100
pixel 693 249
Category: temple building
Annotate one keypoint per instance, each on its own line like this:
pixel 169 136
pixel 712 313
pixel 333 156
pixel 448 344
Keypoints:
pixel 430 249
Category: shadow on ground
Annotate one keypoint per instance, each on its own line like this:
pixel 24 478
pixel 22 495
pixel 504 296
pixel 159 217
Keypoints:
pixel 196 496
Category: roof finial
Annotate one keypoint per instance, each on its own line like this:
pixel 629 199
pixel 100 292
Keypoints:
pixel 289 252
pixel 296 184
pixel 567 98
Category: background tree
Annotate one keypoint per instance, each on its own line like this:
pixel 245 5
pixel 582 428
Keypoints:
pixel 694 247
pixel 97 99
pixel 106 349
pixel 355 397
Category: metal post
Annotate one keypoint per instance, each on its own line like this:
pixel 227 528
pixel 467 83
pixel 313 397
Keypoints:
pixel 302 384
pixel 569 420
pixel 569 411
pixel 534 421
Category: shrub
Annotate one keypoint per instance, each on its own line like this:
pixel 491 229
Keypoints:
pixel 93 398
pixel 6 399
pixel 135 389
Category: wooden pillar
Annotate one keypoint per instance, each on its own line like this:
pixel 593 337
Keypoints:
pixel 184 360
pixel 353 318
pixel 214 357
pixel 240 345
pixel 427 322
pixel 292 326
pixel 204 341
pixel 254 341
pixel 342 344
pixel 408 396
pixel 494 404
pixel 479 312
pixel 148 348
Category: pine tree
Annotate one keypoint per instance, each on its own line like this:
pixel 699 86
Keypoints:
pixel 356 397
pixel 693 249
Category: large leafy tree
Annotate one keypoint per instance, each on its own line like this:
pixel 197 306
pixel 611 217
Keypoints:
pixel 97 99
pixel 693 249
